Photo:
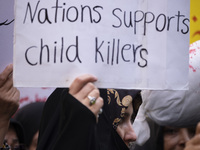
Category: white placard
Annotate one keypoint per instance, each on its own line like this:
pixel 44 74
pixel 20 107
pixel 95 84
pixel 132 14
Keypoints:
pixel 132 44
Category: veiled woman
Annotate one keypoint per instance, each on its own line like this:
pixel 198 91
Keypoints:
pixel 71 120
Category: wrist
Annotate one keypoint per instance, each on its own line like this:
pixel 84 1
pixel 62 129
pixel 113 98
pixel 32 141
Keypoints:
pixel 4 118
pixel 4 125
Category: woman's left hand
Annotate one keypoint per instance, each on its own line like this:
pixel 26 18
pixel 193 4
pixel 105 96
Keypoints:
pixel 84 90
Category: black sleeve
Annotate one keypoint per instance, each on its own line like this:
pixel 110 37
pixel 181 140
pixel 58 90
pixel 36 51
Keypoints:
pixel 66 124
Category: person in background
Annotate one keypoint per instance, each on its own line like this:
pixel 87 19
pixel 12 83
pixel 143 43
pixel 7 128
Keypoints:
pixel 167 138
pixel 175 138
pixel 30 116
pixel 9 101
pixel 15 135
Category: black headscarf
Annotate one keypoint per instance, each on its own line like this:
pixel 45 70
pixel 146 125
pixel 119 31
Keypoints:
pixel 18 129
pixel 119 100
pixel 115 104
pixel 29 116
pixel 67 124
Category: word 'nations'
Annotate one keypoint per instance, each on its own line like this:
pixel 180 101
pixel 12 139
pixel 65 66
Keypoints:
pixel 63 13
pixel 108 52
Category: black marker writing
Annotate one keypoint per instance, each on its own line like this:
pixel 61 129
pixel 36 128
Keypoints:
pixel 113 52
pixel 139 18
pixel 62 13
pixel 43 53
pixel 6 22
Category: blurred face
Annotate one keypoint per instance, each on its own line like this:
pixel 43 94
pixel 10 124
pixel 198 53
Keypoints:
pixel 33 145
pixel 124 129
pixel 176 138
pixel 11 138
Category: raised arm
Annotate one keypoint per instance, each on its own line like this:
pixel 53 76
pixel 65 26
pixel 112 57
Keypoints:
pixel 9 100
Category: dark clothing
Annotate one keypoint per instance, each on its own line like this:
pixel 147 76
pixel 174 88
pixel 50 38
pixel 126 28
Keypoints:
pixel 108 138
pixel 29 117
pixel 66 124
pixel 16 125
pixel 69 125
